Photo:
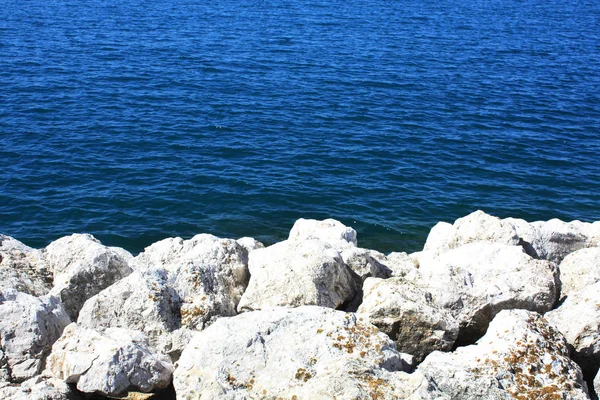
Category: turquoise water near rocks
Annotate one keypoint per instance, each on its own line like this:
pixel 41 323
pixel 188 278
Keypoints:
pixel 138 120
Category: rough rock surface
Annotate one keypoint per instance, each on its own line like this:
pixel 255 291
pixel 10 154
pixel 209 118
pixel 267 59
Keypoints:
pixel 578 319
pixel 304 353
pixel 22 269
pixel 82 267
pixel 39 388
pixel 365 263
pixel 111 363
pixel 521 356
pixel 250 244
pixel 298 272
pixel 330 231
pixel 407 314
pixel 209 274
pixel 401 264
pixel 555 239
pixel 475 227
pixel 477 280
pixel 549 240
pixel 143 301
pixel 579 269
pixel 28 328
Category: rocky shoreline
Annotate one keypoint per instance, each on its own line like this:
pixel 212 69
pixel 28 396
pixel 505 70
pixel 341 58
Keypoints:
pixel 490 309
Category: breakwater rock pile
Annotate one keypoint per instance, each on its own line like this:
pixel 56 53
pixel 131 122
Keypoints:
pixel 490 309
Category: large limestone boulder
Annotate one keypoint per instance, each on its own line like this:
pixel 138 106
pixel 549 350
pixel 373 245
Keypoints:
pixel 555 239
pixel 477 280
pixel 336 234
pixel 298 272
pixel 28 328
pixel 143 301
pixel 579 269
pixel 301 353
pixel 40 387
pixel 209 274
pixel 408 315
pixel 475 227
pixel 401 264
pixel 82 267
pixel 22 268
pixel 250 244
pixel 365 263
pixel 109 363
pixel 578 319
pixel 521 356
pixel 549 240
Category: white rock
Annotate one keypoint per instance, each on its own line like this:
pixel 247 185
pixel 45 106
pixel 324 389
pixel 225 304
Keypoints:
pixel 177 284
pixel 297 272
pixel 477 280
pixel 22 269
pixel 173 253
pixel 407 314
pixel 110 363
pixel 142 301
pixel 333 232
pixel 250 244
pixel 527 234
pixel 303 353
pixel 28 328
pixel 82 267
pixel 578 319
pixel 39 388
pixel 475 227
pixel 555 239
pixel 210 275
pixel 579 269
pixel 364 264
pixel 521 356
pixel 402 265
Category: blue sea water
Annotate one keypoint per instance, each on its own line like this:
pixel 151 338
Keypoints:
pixel 137 120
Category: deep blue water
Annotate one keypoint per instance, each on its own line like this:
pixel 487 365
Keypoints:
pixel 137 120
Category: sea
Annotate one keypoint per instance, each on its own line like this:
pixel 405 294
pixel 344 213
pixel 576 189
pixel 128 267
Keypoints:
pixel 138 120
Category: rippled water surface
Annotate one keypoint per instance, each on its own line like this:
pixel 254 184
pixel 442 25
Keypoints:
pixel 137 120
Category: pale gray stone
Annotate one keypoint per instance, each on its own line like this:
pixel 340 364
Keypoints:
pixel 298 272
pixel 477 280
pixel 364 263
pixel 306 353
pixel 142 301
pixel 330 231
pixel 555 239
pixel 108 363
pixel 579 269
pixel 475 227
pixel 40 387
pixel 208 273
pixel 177 284
pixel 408 315
pixel 401 264
pixel 210 277
pixel 83 267
pixel 28 328
pixel 578 319
pixel 22 268
pixel 250 244
pixel 520 357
